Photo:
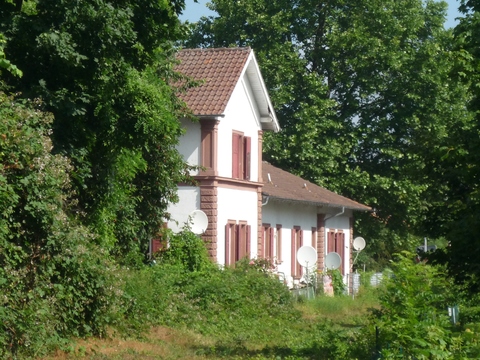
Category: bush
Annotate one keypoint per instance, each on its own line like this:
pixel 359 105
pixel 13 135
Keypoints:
pixel 183 290
pixel 186 250
pixel 412 321
pixel 55 282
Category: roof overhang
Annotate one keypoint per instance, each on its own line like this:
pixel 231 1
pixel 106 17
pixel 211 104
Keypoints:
pixel 268 119
pixel 316 203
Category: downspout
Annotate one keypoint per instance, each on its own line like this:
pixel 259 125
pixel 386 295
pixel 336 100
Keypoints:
pixel 335 215
pixel 266 201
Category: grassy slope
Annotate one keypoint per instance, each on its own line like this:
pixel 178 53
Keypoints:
pixel 341 313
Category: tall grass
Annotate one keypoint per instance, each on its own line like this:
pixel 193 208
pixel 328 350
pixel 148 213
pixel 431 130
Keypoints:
pixel 343 309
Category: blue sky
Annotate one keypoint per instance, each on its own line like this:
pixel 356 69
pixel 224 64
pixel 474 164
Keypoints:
pixel 194 11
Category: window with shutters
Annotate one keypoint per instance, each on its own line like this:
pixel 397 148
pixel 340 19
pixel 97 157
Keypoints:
pixel 267 241
pixel 241 156
pixel 297 242
pixel 237 241
pixel 336 243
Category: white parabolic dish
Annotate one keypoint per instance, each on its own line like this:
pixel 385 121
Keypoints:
pixel 199 222
pixel 359 243
pixel 333 260
pixel 307 256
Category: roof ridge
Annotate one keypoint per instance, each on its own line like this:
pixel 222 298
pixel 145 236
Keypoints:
pixel 244 48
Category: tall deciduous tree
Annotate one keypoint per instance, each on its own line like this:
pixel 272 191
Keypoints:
pixel 460 167
pixel 102 68
pixel 363 94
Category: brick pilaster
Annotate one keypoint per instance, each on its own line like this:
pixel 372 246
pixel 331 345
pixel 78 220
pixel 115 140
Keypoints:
pixel 208 204
pixel 259 221
pixel 351 243
pixel 320 241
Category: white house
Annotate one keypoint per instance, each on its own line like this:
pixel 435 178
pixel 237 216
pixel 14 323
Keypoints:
pixel 253 208
pixel 297 212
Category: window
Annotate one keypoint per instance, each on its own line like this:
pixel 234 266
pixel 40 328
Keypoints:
pixel 237 241
pixel 241 154
pixel 267 241
pixel 297 242
pixel 336 242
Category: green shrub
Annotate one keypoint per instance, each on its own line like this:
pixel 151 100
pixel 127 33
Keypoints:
pixel 187 250
pixel 54 280
pixel 186 290
pixel 412 321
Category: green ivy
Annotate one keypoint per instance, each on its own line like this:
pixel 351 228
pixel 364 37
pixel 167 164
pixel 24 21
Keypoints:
pixel 339 286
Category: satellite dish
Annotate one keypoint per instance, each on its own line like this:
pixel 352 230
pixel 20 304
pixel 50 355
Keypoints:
pixel 307 256
pixel 199 222
pixel 359 243
pixel 333 260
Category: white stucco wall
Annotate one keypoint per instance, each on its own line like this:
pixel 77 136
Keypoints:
pixel 289 214
pixel 238 205
pixel 238 117
pixel 189 200
pixel 189 144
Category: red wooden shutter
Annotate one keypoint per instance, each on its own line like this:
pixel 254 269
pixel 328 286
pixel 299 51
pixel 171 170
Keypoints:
pixel 227 244
pixel 235 156
pixel 262 250
pixel 279 243
pixel 299 245
pixel 241 241
pixel 248 240
pixel 340 248
pixel 294 254
pixel 236 254
pixel 270 242
pixel 247 154
pixel 157 245
pixel 330 241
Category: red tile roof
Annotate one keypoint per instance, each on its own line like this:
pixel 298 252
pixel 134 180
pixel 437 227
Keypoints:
pixel 282 185
pixel 220 69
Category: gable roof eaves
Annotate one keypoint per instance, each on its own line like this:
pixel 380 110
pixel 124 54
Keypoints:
pixel 268 117
pixel 314 203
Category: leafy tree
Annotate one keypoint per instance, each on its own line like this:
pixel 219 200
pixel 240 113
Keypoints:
pixel 55 282
pixel 4 63
pixel 360 92
pixel 459 166
pixel 103 68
